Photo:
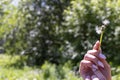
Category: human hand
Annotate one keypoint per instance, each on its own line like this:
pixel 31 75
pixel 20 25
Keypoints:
pixel 94 65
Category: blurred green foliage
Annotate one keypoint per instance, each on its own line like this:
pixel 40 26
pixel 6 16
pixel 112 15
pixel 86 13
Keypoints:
pixel 47 71
pixel 84 17
pixel 36 32
pixel 59 30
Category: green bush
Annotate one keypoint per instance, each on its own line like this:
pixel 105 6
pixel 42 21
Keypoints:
pixel 47 71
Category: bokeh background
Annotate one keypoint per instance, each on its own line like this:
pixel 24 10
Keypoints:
pixel 47 39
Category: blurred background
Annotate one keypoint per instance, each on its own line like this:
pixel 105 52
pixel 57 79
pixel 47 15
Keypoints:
pixel 47 39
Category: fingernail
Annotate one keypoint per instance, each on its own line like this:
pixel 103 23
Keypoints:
pixel 97 41
pixel 102 56
pixel 94 70
pixel 94 66
pixel 94 77
pixel 87 78
pixel 100 64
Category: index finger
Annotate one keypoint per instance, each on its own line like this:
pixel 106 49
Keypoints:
pixel 96 46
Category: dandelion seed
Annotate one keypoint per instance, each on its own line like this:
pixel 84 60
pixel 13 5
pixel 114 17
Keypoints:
pixel 106 22
pixel 103 27
pixel 98 30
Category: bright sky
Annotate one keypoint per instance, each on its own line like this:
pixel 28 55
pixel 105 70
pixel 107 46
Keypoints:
pixel 15 2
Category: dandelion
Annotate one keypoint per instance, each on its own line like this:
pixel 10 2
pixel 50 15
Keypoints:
pixel 101 30
pixel 106 22
pixel 98 30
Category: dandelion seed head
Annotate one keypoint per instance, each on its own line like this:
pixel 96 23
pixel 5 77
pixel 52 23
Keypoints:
pixel 98 30
pixel 103 27
pixel 106 22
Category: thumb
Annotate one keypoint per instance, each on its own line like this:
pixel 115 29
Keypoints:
pixel 96 46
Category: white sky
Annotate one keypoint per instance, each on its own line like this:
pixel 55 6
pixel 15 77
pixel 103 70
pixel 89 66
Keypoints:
pixel 15 2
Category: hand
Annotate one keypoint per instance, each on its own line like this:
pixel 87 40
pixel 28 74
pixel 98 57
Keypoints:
pixel 94 65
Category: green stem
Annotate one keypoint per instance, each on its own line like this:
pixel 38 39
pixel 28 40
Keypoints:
pixel 101 36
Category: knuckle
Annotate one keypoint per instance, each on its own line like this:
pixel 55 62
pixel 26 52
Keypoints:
pixel 86 57
pixel 94 58
pixel 85 63
pixel 90 57
pixel 82 62
pixel 93 52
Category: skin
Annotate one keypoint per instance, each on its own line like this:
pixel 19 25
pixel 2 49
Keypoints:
pixel 94 65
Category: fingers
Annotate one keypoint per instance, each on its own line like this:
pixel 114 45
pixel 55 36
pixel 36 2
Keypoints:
pixel 84 67
pixel 84 64
pixel 94 66
pixel 102 56
pixel 87 78
pixel 98 74
pixel 106 70
pixel 93 52
pixel 96 53
pixel 94 75
pixel 93 59
pixel 106 64
pixel 98 60
pixel 96 46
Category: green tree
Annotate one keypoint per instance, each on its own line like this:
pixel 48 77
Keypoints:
pixel 36 33
pixel 50 30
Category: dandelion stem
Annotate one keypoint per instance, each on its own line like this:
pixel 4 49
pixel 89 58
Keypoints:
pixel 101 36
